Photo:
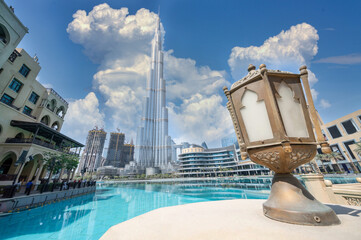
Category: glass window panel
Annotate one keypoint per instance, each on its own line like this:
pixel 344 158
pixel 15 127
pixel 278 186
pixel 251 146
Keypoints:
pixel 7 99
pixel 291 112
pixel 349 126
pixel 24 70
pixel 335 133
pixel 33 97
pixel 347 145
pixel 15 85
pixel 255 117
pixel 27 110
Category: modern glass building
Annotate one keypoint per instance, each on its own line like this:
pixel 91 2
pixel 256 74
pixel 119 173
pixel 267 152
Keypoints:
pixel 197 161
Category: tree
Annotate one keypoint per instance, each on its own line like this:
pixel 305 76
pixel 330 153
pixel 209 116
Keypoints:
pixel 70 162
pixel 333 157
pixel 51 163
pixel 358 148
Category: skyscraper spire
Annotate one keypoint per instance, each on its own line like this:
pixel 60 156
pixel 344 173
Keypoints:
pixel 153 145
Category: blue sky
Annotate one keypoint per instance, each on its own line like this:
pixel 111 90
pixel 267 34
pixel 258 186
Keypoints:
pixel 101 72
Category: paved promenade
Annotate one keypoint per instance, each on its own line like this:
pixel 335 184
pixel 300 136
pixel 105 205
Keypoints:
pixel 230 219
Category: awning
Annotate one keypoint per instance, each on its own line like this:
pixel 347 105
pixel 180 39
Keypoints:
pixel 44 131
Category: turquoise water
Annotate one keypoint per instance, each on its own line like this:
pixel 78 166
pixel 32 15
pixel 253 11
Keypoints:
pixel 90 216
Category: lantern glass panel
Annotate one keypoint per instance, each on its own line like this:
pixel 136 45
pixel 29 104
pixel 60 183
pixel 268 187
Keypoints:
pixel 255 117
pixel 291 112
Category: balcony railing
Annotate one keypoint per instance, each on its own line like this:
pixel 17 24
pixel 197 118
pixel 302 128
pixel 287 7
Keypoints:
pixel 10 105
pixel 7 177
pixel 40 143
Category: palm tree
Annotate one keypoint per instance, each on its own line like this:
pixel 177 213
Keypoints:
pixel 333 157
pixel 314 163
pixel 358 148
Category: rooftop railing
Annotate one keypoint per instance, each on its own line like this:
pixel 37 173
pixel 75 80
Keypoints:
pixel 50 90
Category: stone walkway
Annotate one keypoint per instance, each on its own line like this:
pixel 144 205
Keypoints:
pixel 230 219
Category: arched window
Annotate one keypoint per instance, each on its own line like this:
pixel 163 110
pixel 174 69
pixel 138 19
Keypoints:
pixel 4 34
pixel 61 112
pixel 255 118
pixel 45 120
pixel 55 126
pixel 19 135
pixel 5 166
pixel 51 105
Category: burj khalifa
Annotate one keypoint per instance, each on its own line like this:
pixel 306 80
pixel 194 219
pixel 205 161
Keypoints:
pixel 153 145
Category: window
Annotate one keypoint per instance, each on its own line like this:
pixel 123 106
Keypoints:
pixel 349 126
pixel 3 35
pixel 335 133
pixel 336 148
pixel 33 97
pixel 27 110
pixel 359 118
pixel 15 85
pixel 7 99
pixel 324 135
pixel 347 145
pixel 24 70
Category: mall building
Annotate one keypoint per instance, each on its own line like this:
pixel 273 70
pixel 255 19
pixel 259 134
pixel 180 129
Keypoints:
pixel 197 161
pixel 342 134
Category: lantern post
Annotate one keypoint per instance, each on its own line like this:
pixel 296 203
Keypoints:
pixel 273 126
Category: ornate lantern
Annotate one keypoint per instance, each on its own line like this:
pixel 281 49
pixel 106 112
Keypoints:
pixel 273 126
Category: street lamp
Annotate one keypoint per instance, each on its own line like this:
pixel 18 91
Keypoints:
pixel 273 127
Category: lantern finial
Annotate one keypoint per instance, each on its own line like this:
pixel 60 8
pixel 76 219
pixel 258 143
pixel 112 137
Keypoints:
pixel 303 70
pixel 251 67
pixel 262 67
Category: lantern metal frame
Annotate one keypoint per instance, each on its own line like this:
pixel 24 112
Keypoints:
pixel 289 201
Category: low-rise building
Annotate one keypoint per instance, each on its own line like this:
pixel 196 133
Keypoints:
pixel 30 122
pixel 197 161
pixel 109 171
pixel 342 134
pixel 12 31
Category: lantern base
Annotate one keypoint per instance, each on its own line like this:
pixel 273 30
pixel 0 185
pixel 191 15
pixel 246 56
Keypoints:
pixel 290 202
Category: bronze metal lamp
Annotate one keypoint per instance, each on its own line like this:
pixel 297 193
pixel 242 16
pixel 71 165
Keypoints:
pixel 273 127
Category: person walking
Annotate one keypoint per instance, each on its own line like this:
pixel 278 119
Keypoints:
pixel 28 187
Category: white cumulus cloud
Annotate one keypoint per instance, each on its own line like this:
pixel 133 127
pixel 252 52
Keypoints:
pixel 82 116
pixel 325 104
pixel 287 51
pixel 200 114
pixel 121 44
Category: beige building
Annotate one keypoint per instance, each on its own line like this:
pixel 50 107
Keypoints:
pixel 11 32
pixel 342 134
pixel 31 117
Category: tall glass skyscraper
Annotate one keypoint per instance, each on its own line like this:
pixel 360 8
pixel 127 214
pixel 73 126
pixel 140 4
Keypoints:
pixel 153 145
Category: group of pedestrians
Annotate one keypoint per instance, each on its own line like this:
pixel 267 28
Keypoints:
pixel 28 186
pixel 65 185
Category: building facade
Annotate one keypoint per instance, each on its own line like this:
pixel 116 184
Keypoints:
pixel 118 153
pixel 342 134
pixel 30 122
pixel 197 161
pixel 92 154
pixel 153 145
pixel 12 31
